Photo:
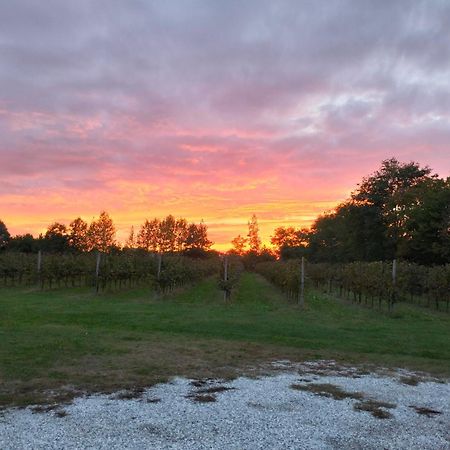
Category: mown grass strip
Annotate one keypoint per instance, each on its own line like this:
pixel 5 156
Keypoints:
pixel 130 338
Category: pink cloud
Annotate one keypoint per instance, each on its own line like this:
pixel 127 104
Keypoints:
pixel 149 109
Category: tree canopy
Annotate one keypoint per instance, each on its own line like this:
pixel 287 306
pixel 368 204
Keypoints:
pixel 400 211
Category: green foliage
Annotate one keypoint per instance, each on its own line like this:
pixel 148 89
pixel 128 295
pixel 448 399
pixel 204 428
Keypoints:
pixel 401 211
pixel 234 269
pixel 177 271
pixel 116 270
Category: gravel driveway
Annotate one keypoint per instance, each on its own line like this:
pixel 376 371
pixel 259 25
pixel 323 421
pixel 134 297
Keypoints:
pixel 300 407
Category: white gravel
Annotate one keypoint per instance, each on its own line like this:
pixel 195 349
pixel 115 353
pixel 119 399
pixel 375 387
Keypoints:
pixel 264 413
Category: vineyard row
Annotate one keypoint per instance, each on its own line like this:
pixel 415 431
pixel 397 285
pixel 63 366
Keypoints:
pixel 374 283
pixel 103 271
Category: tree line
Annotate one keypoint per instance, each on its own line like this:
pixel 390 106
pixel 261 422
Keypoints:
pixel 400 211
pixel 168 235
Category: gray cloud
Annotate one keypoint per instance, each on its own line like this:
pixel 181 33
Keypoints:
pixel 143 78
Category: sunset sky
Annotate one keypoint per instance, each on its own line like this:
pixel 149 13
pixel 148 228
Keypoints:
pixel 213 110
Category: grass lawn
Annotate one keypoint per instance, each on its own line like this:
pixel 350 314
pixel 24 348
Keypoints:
pixel 72 339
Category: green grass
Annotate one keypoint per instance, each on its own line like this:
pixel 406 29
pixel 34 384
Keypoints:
pixel 73 337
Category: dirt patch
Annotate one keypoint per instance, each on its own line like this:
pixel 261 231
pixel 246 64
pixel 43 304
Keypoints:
pixel 202 398
pixel 328 390
pixel 411 381
pixel 206 391
pixel 214 390
pixel 425 411
pixel 39 409
pixel 204 382
pixel 129 394
pixel 376 408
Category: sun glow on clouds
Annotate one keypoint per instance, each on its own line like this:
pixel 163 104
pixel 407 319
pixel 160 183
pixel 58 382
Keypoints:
pixel 213 112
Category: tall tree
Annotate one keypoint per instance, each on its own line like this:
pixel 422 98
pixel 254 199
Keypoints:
pixel 394 212
pixel 102 233
pixel 131 241
pixel 203 240
pixel 426 237
pixel 386 192
pixel 254 241
pixel 168 234
pixel 148 236
pixel 197 237
pixel 181 231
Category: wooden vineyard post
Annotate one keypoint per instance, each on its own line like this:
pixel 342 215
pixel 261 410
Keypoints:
pixel 159 266
pixel 225 278
pixel 97 271
pixel 394 283
pixel 39 266
pixel 301 297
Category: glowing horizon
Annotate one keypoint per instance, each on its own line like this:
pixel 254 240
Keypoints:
pixel 213 111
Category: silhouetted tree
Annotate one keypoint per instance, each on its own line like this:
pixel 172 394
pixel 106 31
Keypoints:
pixel 55 239
pixel 168 234
pixel 386 193
pixel 148 236
pixel 4 235
pixel 131 241
pixel 78 235
pixel 239 243
pixel 25 243
pixel 426 227
pixel 289 242
pixel 401 210
pixel 181 234
pixel 254 241
pixel 197 237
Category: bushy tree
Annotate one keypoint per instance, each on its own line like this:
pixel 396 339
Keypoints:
pixel 56 239
pixel 289 242
pixel 239 244
pixel 78 235
pixel 426 229
pixel 102 233
pixel 148 236
pixel 197 237
pixel 168 234
pixel 400 211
